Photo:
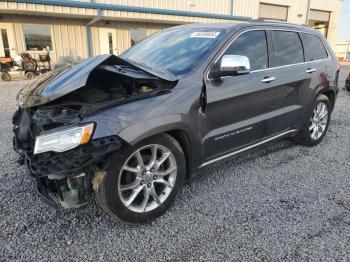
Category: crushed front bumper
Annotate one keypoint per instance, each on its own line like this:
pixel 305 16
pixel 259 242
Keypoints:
pixel 65 178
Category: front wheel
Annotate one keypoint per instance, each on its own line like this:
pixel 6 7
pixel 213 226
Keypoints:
pixel 317 124
pixel 142 181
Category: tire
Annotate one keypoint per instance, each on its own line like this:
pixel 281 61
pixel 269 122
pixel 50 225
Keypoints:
pixel 30 75
pixel 307 135
pixel 347 86
pixel 5 77
pixel 113 194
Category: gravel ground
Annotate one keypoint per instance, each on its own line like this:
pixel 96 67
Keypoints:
pixel 281 202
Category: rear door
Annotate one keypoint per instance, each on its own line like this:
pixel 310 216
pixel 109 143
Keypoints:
pixel 318 66
pixel 291 84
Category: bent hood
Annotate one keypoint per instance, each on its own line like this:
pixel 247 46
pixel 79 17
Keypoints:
pixel 69 78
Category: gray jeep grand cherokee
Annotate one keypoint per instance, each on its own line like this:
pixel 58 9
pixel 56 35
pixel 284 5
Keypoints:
pixel 131 129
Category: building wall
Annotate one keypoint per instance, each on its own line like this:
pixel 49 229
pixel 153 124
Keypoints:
pixel 295 7
pixel 18 8
pixel 69 36
pixel 205 6
pixel 69 30
pixel 122 33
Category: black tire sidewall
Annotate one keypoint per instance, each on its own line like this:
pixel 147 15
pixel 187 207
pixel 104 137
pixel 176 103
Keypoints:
pixel 30 75
pixel 5 77
pixel 108 188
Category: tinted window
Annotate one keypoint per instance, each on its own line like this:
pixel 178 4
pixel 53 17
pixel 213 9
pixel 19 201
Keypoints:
pixel 252 44
pixel 288 48
pixel 313 47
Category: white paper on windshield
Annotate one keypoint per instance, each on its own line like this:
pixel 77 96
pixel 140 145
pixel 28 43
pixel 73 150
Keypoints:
pixel 205 34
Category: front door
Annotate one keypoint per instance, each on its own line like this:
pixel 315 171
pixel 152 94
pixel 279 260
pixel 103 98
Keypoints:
pixel 108 41
pixel 7 43
pixel 238 107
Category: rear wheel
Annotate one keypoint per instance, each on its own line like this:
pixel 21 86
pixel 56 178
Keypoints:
pixel 142 181
pixel 5 76
pixel 30 75
pixel 317 125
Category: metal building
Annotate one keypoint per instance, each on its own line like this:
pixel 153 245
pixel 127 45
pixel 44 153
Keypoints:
pixel 75 29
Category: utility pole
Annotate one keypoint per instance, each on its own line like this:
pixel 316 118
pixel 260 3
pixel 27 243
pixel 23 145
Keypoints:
pixel 307 13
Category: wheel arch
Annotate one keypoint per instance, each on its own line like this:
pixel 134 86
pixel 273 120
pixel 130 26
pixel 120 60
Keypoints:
pixel 183 139
pixel 175 125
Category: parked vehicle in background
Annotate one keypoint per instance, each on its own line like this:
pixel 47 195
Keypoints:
pixel 23 66
pixel 347 83
pixel 131 129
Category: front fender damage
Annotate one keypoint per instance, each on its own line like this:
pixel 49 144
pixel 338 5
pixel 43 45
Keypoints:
pixel 69 178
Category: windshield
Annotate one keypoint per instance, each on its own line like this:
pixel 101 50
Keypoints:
pixel 176 50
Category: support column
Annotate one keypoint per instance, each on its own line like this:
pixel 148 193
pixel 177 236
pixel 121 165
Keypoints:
pixel 90 42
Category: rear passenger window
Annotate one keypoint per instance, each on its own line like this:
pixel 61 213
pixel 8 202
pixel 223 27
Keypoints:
pixel 313 47
pixel 288 48
pixel 252 44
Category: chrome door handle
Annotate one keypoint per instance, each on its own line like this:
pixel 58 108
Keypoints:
pixel 268 79
pixel 310 70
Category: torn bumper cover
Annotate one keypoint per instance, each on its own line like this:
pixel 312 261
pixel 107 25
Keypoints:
pixel 66 178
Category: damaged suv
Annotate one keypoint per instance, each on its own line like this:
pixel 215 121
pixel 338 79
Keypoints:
pixel 131 129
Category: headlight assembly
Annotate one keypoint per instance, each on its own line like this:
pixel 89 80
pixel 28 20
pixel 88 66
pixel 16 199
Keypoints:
pixel 63 140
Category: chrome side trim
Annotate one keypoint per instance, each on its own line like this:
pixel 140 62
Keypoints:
pixel 268 80
pixel 311 70
pixel 233 153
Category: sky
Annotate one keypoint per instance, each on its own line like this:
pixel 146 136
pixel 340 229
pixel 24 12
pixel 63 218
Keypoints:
pixel 344 25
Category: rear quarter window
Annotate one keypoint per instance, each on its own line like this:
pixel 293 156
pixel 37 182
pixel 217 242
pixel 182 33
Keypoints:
pixel 313 47
pixel 287 48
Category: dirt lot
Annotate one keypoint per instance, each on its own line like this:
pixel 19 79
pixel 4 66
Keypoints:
pixel 281 202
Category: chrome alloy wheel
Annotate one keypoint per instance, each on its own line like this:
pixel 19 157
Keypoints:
pixel 318 122
pixel 147 178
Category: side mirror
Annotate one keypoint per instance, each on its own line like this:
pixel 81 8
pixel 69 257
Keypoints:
pixel 231 65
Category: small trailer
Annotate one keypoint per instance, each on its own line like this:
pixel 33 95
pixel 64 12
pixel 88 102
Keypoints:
pixel 27 67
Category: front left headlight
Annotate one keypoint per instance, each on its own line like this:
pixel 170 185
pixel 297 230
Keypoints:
pixel 63 140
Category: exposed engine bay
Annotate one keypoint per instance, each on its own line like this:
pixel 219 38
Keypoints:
pixel 66 177
pixel 108 85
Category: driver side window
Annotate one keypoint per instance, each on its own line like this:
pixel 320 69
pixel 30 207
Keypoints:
pixel 252 44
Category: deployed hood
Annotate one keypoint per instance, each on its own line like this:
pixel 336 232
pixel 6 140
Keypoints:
pixel 67 79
